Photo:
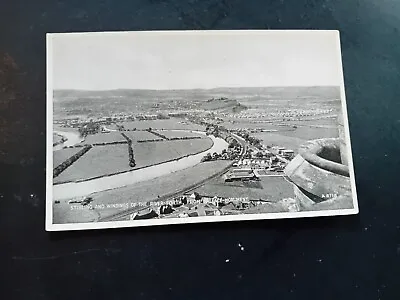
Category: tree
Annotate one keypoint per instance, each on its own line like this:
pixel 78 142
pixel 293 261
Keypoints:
pixel 259 155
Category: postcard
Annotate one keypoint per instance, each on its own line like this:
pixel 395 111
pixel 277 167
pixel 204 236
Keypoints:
pixel 175 127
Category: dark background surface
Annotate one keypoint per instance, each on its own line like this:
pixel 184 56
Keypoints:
pixel 353 257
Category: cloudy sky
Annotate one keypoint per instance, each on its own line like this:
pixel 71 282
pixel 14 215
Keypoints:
pixel 173 60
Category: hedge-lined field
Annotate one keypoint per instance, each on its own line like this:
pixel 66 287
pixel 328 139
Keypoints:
pixel 112 159
pixel 68 162
pixel 99 161
pixel 139 135
pixel 99 138
pixel 154 153
pixel 62 155
pixel 178 134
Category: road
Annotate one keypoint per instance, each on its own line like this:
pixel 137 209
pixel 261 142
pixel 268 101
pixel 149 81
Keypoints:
pixel 126 213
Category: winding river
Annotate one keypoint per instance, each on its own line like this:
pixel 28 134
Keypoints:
pixel 80 189
pixel 72 137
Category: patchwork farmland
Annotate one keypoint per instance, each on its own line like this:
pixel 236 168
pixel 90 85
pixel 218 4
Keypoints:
pixel 110 159
pixel 247 136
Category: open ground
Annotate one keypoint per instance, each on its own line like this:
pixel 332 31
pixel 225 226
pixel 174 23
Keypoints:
pixel 140 192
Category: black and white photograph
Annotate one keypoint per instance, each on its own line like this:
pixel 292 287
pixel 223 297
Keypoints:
pixel 173 127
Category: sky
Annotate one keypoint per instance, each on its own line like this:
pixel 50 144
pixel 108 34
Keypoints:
pixel 188 60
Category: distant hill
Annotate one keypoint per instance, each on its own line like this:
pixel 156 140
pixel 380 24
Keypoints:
pixel 222 104
pixel 230 100
pixel 273 92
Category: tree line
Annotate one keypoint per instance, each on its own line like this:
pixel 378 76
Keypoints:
pixel 132 162
pixel 157 134
pixel 89 128
pixel 109 143
pixel 60 168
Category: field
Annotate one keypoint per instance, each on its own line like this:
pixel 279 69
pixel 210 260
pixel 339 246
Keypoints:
pixel 275 139
pixel 98 161
pixel 140 192
pixel 62 155
pixel 151 189
pixel 110 159
pixel 240 124
pixel 177 133
pixel 310 133
pixel 292 138
pixel 162 124
pixel 268 188
pixel 104 138
pixel 153 153
pixel 140 135
pixel 315 122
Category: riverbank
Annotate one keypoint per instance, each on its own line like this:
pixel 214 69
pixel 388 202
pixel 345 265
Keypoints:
pixel 72 138
pixel 58 139
pixel 135 168
pixel 110 202
pixel 80 189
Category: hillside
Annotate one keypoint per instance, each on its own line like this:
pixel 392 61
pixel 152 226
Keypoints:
pixel 222 104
